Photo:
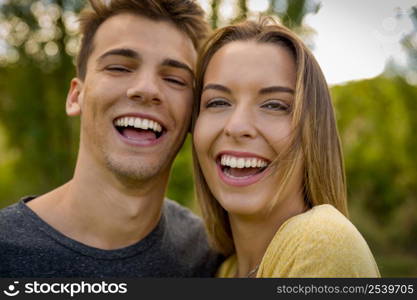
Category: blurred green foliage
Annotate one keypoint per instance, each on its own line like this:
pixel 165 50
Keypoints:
pixel 34 78
pixel 377 124
pixel 377 119
pixel 181 185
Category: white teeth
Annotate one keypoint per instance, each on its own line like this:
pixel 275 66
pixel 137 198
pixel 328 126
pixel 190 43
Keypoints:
pixel 145 124
pixel 240 162
pixel 138 123
pixel 233 162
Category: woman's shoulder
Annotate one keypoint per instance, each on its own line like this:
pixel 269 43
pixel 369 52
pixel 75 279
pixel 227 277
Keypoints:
pixel 228 268
pixel 320 242
pixel 324 229
pixel 322 222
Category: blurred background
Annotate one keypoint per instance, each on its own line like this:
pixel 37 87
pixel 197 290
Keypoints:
pixel 368 52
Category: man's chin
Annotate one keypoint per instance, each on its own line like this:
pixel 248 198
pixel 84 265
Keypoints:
pixel 134 171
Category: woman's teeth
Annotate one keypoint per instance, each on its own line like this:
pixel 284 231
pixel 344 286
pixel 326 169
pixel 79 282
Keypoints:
pixel 240 162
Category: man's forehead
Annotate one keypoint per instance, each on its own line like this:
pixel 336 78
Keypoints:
pixel 159 39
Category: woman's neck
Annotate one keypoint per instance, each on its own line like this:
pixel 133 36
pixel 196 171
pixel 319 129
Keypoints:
pixel 251 239
pixel 253 234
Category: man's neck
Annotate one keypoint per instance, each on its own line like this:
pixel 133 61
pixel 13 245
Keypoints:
pixel 98 210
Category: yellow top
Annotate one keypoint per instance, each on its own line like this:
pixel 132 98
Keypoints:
pixel 320 242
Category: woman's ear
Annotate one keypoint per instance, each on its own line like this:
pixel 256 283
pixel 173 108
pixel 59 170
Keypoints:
pixel 74 98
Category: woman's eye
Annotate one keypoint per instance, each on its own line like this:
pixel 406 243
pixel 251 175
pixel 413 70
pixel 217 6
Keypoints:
pixel 175 81
pixel 217 103
pixel 121 69
pixel 276 105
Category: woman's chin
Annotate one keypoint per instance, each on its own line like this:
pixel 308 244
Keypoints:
pixel 243 205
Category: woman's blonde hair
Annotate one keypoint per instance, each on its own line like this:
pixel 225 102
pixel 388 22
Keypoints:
pixel 314 141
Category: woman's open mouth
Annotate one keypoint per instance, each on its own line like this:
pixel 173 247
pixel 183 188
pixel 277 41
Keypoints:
pixel 241 171
pixel 139 131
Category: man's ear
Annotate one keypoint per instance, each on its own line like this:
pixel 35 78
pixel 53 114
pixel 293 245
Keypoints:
pixel 74 98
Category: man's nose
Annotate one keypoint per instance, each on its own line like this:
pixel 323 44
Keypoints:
pixel 240 123
pixel 145 88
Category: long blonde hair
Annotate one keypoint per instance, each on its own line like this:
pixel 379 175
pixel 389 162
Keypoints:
pixel 315 140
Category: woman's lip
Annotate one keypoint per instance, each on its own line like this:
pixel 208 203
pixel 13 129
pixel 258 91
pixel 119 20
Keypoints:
pixel 240 182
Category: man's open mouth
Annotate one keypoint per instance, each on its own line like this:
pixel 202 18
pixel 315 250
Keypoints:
pixel 139 129
pixel 241 168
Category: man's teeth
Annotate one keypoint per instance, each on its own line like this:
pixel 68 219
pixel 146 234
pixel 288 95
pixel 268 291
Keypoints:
pixel 240 162
pixel 138 123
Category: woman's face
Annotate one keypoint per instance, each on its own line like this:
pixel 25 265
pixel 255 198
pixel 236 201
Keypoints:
pixel 244 123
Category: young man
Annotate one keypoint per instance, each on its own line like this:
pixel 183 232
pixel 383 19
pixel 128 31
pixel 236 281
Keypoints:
pixel 134 93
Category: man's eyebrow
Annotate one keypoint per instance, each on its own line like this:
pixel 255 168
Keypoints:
pixel 218 87
pixel 177 64
pixel 276 89
pixel 120 52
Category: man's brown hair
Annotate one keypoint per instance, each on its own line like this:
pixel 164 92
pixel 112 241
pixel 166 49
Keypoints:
pixel 186 15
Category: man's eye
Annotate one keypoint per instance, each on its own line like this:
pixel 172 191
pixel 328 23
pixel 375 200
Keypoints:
pixel 117 69
pixel 217 103
pixel 276 105
pixel 175 81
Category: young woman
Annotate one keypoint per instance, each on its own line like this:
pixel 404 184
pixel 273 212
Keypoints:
pixel 268 162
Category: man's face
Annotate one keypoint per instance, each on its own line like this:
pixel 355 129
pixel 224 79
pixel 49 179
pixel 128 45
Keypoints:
pixel 136 99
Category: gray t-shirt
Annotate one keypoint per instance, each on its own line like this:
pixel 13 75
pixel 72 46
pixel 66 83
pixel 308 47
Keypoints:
pixel 177 247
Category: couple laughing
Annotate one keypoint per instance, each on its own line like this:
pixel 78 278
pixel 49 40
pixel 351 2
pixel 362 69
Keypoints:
pixel 268 165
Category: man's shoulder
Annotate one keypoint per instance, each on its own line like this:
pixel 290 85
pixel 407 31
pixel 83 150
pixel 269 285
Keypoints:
pixel 11 216
pixel 174 210
pixel 16 223
pixel 182 222
pixel 186 234
pixel 9 210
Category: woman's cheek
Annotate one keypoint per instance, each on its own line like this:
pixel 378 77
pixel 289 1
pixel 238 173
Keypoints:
pixel 207 128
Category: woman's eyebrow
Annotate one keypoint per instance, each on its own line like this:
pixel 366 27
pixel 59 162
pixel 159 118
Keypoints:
pixel 218 87
pixel 276 89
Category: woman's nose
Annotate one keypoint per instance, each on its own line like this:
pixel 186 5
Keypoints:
pixel 240 124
